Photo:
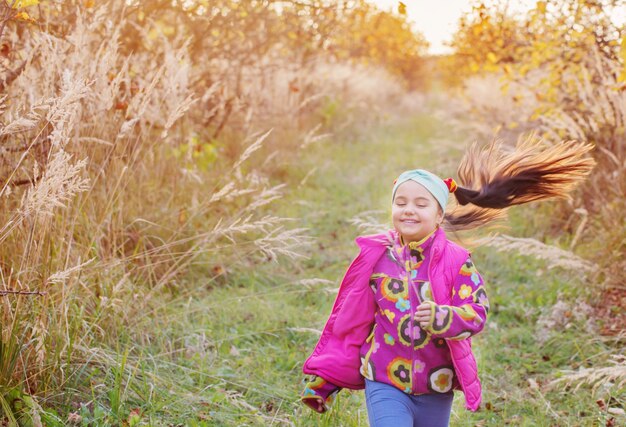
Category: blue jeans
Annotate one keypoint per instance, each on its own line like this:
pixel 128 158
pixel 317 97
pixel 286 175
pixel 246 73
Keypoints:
pixel 388 406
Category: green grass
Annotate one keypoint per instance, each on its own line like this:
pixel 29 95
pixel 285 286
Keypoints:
pixel 230 352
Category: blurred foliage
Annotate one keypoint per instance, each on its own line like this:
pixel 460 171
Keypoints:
pixel 370 35
pixel 550 50
pixel 558 35
pixel 245 32
pixel 196 152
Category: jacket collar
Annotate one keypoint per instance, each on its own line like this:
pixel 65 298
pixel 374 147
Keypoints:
pixel 391 238
pixel 421 246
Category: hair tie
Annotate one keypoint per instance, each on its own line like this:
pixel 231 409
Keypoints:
pixel 451 183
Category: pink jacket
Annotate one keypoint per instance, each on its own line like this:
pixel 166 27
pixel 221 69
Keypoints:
pixel 336 358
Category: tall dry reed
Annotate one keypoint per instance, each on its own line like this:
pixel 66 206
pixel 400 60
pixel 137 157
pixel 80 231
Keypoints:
pixel 100 217
pixel 124 170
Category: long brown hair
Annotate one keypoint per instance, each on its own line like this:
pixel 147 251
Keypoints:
pixel 490 179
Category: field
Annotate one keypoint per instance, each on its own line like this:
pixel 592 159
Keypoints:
pixel 181 188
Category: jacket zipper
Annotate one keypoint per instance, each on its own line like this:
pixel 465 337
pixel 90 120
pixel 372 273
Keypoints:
pixel 410 288
pixel 407 268
pixel 414 308
pixel 366 359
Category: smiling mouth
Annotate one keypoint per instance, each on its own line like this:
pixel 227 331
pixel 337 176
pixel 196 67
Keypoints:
pixel 410 221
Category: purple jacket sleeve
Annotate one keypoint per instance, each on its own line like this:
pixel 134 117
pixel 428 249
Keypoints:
pixel 319 394
pixel 467 313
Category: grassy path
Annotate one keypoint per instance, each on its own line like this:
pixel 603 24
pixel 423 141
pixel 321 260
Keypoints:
pixel 241 344
pixel 348 178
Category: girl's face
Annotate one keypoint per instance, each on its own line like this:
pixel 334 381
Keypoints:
pixel 415 212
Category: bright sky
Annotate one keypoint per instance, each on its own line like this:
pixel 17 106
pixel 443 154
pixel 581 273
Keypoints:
pixel 437 19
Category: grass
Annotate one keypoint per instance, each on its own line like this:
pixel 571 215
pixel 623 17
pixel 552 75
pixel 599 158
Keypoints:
pixel 145 302
pixel 229 351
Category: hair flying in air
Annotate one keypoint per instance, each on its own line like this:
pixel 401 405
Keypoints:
pixel 491 179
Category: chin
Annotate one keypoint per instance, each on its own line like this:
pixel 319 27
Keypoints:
pixel 412 237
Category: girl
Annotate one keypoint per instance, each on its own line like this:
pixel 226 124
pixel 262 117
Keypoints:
pixel 409 303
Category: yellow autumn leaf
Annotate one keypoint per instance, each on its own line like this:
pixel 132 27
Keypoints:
pixel 541 6
pixel 492 57
pixel 182 216
pixel 153 34
pixel 401 8
pixel 489 67
pixel 24 3
pixel 161 28
pixel 23 16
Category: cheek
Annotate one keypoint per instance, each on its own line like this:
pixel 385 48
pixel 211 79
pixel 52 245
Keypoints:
pixel 435 216
pixel 395 212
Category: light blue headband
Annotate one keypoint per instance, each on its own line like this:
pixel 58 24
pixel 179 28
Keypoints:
pixel 435 185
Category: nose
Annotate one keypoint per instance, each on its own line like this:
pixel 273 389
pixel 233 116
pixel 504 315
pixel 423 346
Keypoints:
pixel 409 210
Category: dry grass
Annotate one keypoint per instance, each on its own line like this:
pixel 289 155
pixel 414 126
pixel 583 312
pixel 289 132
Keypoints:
pixel 612 376
pixel 117 182
pixel 552 255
